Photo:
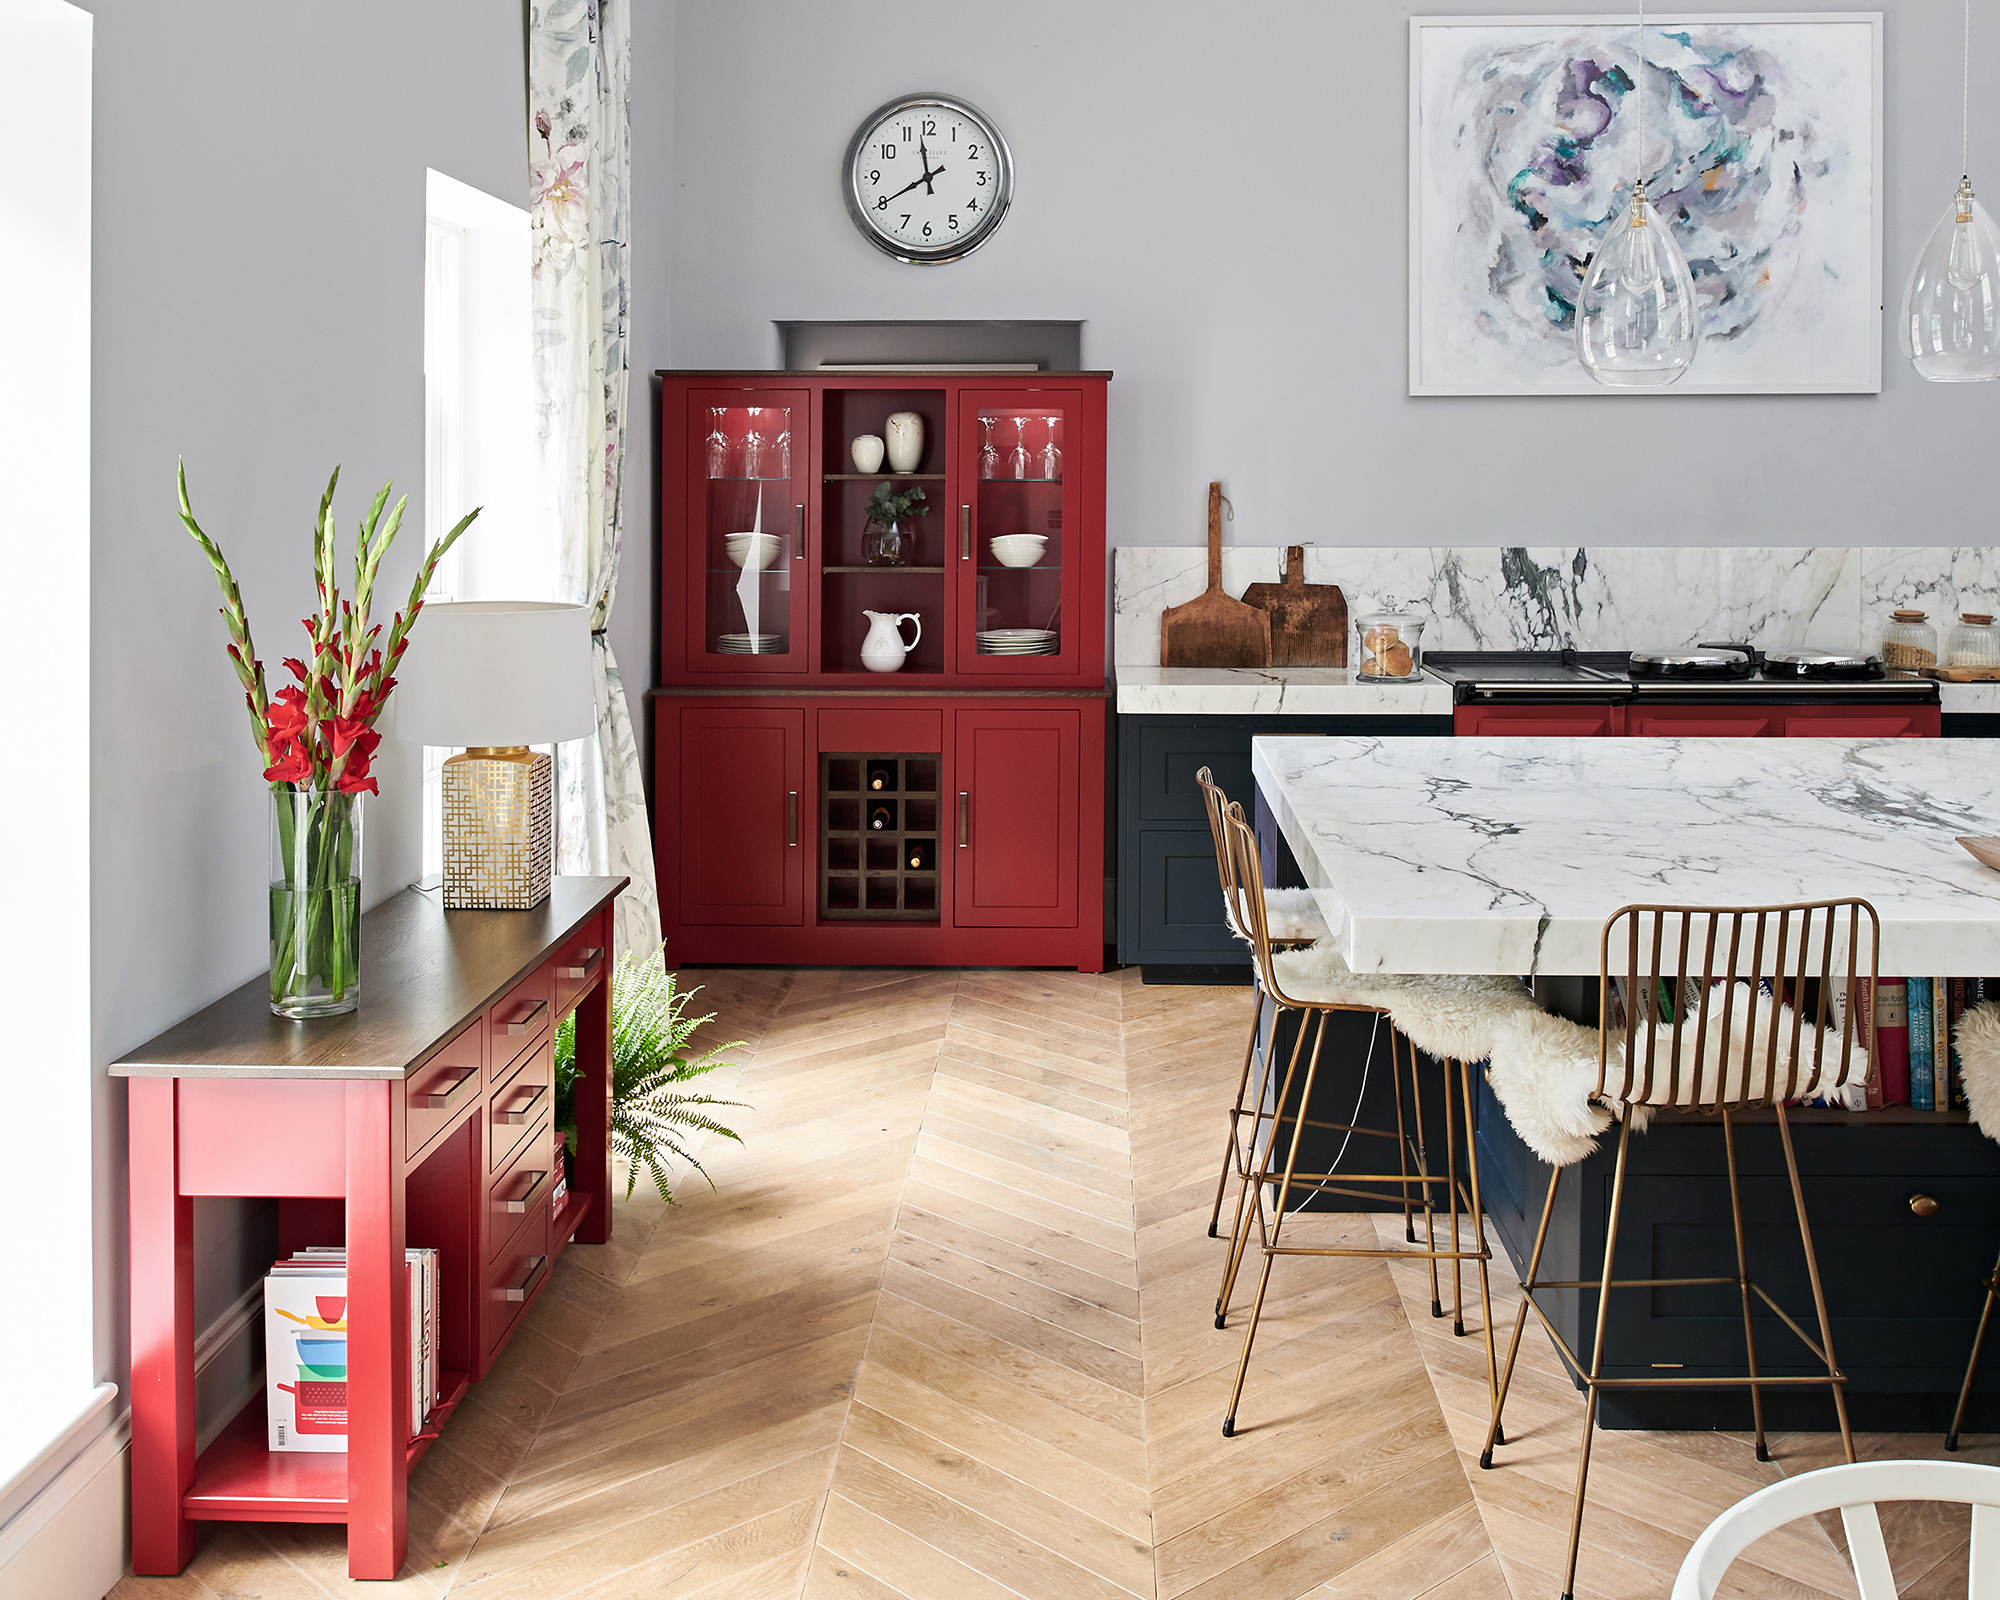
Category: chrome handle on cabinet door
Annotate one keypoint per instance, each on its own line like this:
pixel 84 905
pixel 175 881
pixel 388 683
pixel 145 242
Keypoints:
pixel 798 533
pixel 964 819
pixel 792 818
pixel 965 533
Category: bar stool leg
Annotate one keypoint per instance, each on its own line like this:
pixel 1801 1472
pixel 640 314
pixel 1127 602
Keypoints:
pixel 1833 1373
pixel 1424 1166
pixel 1597 1353
pixel 1232 1154
pixel 1249 1197
pixel 1972 1361
pixel 1743 1284
pixel 1402 1138
pixel 1277 1228
pixel 1521 1320
pixel 1479 1230
pixel 1451 1200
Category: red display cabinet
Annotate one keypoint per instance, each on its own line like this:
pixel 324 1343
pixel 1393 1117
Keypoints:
pixel 982 843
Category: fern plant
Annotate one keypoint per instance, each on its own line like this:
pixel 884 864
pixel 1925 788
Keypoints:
pixel 651 1113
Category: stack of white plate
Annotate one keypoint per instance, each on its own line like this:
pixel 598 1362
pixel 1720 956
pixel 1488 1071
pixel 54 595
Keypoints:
pixel 750 644
pixel 1019 642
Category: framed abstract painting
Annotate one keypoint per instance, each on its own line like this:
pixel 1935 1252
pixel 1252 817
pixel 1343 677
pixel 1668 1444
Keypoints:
pixel 1763 154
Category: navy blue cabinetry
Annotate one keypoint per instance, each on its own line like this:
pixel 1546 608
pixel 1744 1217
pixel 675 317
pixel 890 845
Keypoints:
pixel 1169 911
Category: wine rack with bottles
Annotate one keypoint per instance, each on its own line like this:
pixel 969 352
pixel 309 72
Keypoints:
pixel 879 837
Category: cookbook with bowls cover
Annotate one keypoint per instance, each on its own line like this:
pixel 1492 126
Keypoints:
pixel 305 1347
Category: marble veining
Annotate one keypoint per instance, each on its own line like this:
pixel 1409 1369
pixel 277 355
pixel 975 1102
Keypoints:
pixel 1507 855
pixel 1530 598
pixel 1268 692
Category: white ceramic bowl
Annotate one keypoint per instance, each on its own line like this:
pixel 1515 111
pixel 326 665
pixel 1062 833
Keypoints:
pixel 1020 549
pixel 757 550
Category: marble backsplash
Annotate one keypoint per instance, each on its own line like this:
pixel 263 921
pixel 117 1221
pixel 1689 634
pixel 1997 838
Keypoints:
pixel 1514 598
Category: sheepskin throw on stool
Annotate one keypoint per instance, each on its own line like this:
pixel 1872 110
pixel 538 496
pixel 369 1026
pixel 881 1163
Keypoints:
pixel 1979 1058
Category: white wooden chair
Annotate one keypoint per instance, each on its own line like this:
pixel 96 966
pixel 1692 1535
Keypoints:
pixel 1854 1490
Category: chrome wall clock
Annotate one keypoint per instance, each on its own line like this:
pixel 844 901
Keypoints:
pixel 928 178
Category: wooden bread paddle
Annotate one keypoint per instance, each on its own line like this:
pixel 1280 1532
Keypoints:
pixel 1214 630
pixel 1308 620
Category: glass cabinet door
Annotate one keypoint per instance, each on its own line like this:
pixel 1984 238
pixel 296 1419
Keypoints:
pixel 746 522
pixel 1018 589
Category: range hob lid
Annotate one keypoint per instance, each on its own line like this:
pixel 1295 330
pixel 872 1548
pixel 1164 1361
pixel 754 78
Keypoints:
pixel 1827 666
pixel 1694 664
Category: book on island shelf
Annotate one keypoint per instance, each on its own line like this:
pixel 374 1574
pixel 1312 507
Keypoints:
pixel 305 1346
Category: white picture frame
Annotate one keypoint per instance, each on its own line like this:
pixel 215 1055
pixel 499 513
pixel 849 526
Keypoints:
pixel 1821 329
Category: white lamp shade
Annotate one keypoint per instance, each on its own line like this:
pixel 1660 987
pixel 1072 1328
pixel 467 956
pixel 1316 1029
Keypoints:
pixel 495 672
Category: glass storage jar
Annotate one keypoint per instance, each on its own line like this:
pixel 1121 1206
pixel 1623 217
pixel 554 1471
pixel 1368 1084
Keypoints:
pixel 1908 643
pixel 1388 646
pixel 1975 642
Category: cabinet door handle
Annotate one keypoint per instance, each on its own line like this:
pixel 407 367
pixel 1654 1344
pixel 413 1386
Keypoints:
pixel 520 1291
pixel 526 1022
pixel 964 819
pixel 441 1099
pixel 521 1110
pixel 798 533
pixel 965 533
pixel 792 818
pixel 517 1203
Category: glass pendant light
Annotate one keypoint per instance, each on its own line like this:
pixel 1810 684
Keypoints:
pixel 1637 324
pixel 1951 307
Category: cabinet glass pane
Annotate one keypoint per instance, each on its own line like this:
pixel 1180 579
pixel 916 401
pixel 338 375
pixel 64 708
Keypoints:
pixel 747 566
pixel 1020 532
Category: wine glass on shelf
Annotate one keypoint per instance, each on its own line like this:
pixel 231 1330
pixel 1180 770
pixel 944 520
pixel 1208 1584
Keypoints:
pixel 1052 452
pixel 718 444
pixel 753 445
pixel 1017 458
pixel 989 452
pixel 781 448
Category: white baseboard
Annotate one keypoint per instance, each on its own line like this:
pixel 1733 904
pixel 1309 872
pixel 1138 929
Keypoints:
pixel 71 1540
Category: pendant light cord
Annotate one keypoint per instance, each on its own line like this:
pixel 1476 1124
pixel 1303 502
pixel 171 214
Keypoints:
pixel 1965 105
pixel 1642 84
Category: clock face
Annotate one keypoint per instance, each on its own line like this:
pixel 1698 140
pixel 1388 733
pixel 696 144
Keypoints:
pixel 928 178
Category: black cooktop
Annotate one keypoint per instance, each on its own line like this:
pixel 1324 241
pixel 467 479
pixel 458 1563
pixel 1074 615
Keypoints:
pixel 1573 677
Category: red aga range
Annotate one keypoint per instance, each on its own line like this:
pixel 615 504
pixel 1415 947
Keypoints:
pixel 879 732
pixel 1708 692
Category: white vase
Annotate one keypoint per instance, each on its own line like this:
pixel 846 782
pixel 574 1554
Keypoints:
pixel 867 453
pixel 883 650
pixel 905 434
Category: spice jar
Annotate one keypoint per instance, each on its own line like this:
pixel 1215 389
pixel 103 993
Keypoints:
pixel 1975 642
pixel 1908 643
pixel 1389 646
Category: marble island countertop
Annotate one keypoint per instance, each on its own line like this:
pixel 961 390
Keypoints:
pixel 1507 855
pixel 1274 691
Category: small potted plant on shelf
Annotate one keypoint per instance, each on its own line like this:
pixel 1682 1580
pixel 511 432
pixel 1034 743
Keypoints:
pixel 650 1113
pixel 886 543
pixel 316 737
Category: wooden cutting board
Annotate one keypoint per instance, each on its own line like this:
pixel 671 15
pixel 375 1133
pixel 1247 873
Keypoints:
pixel 1214 630
pixel 1308 620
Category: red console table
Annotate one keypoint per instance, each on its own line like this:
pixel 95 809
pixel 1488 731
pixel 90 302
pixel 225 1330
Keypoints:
pixel 416 1120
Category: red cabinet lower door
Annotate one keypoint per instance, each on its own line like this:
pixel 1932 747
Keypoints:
pixel 1540 722
pixel 1862 722
pixel 1702 722
pixel 1014 864
pixel 742 797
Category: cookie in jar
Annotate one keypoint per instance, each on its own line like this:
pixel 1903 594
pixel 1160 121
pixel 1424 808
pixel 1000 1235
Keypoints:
pixel 1389 645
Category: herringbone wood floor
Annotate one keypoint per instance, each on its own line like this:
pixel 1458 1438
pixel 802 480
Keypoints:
pixel 943 1331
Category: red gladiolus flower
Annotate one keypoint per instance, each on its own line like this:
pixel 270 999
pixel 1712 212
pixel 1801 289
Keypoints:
pixel 354 778
pixel 351 733
pixel 292 765
pixel 285 718
pixel 296 668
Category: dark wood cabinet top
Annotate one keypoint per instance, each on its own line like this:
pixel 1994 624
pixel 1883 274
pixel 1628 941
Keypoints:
pixel 425 973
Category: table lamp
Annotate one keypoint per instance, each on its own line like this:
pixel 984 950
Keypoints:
pixel 496 676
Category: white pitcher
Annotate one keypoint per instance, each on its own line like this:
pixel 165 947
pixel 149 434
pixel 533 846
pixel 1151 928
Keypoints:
pixel 883 650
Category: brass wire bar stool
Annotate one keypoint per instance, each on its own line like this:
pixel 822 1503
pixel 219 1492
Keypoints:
pixel 1284 1124
pixel 1679 1025
pixel 1991 1284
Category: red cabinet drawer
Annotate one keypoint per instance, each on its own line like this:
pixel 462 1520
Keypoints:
pixel 442 1088
pixel 576 966
pixel 520 1102
pixel 514 1276
pixel 1538 722
pixel 1863 722
pixel 876 729
pixel 1703 722
pixel 515 1020
pixel 519 1189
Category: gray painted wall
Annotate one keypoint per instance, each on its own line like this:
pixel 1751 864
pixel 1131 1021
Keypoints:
pixel 1159 145
pixel 259 218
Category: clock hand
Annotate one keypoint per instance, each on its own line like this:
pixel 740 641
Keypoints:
pixel 924 156
pixel 908 187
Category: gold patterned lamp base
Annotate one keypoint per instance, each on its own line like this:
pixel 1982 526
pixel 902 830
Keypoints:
pixel 499 824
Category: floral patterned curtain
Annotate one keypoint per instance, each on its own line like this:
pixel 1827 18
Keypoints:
pixel 579 61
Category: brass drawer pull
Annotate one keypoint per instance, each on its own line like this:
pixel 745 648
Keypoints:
pixel 441 1099
pixel 521 1110
pixel 526 1287
pixel 527 1024
pixel 518 1203
pixel 1923 1205
pixel 589 959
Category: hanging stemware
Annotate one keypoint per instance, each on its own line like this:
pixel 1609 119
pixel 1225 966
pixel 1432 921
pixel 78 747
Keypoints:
pixel 1637 323
pixel 718 444
pixel 989 453
pixel 1950 327
pixel 1017 458
pixel 1052 452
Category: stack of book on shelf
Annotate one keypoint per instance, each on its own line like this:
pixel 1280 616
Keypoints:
pixel 1916 1030
pixel 305 1332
